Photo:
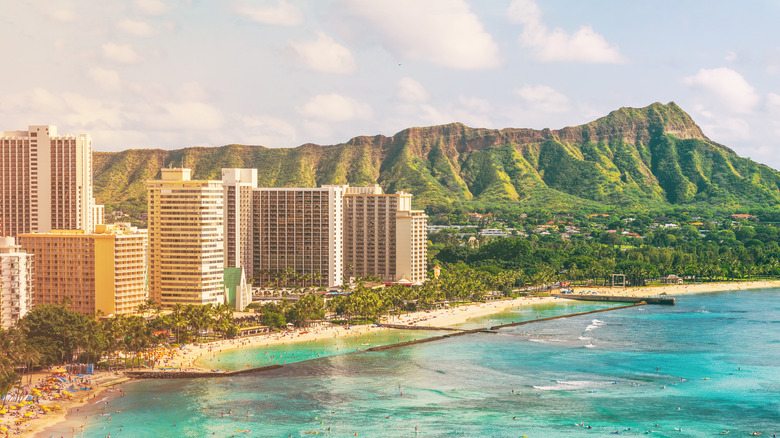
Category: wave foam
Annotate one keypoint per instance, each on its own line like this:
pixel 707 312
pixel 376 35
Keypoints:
pixel 596 323
pixel 563 385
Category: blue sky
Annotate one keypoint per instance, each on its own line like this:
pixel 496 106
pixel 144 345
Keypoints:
pixel 280 73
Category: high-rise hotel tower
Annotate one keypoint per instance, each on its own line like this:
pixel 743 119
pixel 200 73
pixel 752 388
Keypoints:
pixel 46 182
pixel 383 236
pixel 298 236
pixel 238 185
pixel 186 251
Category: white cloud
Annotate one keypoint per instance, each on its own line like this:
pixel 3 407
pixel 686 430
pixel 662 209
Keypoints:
pixel 108 80
pixel 727 87
pixel 123 53
pixel 150 7
pixel 727 129
pixel 325 55
pixel 68 109
pixel 135 27
pixel 186 115
pixel 585 45
pixel 336 108
pixel 410 90
pixel 191 91
pixel 444 32
pixel 773 101
pixel 267 131
pixel 63 16
pixel 283 14
pixel 544 98
pixel 474 104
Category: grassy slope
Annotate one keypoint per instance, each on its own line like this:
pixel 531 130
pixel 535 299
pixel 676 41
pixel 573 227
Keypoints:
pixel 636 158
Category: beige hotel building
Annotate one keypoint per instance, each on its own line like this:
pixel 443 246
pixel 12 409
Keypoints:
pixel 104 271
pixel 383 236
pixel 46 182
pixel 186 250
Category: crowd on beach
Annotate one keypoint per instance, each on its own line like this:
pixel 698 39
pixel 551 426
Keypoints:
pixel 25 404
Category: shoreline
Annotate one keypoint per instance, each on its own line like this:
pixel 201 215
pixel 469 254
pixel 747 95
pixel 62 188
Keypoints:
pixel 188 357
pixel 101 383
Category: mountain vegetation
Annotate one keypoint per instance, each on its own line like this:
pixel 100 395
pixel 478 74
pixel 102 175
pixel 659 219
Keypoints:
pixel 634 158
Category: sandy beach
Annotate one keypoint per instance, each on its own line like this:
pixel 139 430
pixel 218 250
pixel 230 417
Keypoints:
pixel 55 409
pixel 187 358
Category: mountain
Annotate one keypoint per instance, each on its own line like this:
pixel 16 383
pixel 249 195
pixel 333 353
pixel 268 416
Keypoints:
pixel 635 158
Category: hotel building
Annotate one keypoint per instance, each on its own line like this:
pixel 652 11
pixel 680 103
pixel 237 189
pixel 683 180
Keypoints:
pixel 383 236
pixel 411 260
pixel 104 271
pixel 298 236
pixel 16 282
pixel 238 185
pixel 45 181
pixel 186 250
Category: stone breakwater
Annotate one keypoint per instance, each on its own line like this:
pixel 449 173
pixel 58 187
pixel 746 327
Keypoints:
pixel 194 374
pixel 151 374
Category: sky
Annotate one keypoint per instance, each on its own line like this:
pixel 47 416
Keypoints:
pixel 281 73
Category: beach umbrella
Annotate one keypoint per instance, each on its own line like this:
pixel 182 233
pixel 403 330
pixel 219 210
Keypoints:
pixel 4 429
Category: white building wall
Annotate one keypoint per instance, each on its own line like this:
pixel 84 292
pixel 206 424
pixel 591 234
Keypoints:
pixel 16 282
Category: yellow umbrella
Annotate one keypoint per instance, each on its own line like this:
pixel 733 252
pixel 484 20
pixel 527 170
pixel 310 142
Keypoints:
pixel 4 411
pixel 4 429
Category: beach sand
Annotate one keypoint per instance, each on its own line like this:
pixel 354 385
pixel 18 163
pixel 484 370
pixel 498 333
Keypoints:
pixel 101 382
pixel 187 358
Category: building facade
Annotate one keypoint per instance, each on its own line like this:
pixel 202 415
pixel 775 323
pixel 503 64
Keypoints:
pixel 298 236
pixel 16 282
pixel 186 250
pixel 238 185
pixel 411 246
pixel 100 272
pixel 380 236
pixel 370 232
pixel 45 181
pixel 120 268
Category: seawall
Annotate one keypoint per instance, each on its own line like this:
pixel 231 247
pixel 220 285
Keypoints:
pixel 453 332
pixel 194 374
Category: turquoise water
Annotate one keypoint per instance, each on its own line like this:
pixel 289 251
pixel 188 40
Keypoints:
pixel 535 311
pixel 292 352
pixel 709 364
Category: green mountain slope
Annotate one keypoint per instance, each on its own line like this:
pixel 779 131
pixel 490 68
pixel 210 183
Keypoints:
pixel 634 157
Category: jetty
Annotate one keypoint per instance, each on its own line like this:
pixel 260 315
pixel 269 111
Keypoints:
pixel 452 332
pixel 664 301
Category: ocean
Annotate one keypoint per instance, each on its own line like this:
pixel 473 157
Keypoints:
pixel 708 365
